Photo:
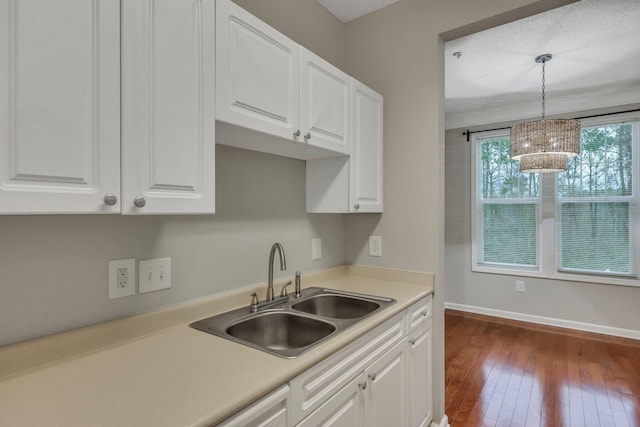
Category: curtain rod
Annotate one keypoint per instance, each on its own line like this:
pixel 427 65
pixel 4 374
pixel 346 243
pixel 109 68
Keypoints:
pixel 469 132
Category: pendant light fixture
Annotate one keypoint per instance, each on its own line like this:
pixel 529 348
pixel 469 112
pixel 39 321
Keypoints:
pixel 545 145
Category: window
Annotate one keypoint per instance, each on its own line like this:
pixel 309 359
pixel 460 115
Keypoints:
pixel 575 225
pixel 508 205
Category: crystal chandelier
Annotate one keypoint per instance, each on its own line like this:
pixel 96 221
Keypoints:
pixel 545 145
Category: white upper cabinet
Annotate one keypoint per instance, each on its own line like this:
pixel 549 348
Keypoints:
pixel 266 82
pixel 258 74
pixel 168 106
pixel 365 166
pixel 59 106
pixel 353 184
pixel 325 104
pixel 70 144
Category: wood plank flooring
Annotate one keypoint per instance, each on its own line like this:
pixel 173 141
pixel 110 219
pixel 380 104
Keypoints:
pixel 505 373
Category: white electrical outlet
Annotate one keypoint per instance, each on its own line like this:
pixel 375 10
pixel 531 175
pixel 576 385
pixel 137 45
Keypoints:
pixel 122 278
pixel 375 245
pixel 155 275
pixel 519 286
pixel 316 249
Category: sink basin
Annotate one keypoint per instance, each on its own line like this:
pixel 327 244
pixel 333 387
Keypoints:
pixel 336 306
pixel 281 331
pixel 289 326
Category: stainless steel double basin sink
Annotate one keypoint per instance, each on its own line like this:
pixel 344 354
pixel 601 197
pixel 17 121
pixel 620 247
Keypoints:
pixel 289 328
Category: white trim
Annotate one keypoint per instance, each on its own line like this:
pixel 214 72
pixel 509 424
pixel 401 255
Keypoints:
pixel 550 321
pixel 443 423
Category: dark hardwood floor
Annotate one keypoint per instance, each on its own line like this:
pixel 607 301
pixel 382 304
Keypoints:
pixel 505 373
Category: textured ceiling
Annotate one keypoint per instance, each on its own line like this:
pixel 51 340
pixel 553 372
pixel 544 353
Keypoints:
pixel 596 63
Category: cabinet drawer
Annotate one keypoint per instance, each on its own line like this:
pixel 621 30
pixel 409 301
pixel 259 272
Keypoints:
pixel 343 409
pixel 270 411
pixel 310 389
pixel 418 314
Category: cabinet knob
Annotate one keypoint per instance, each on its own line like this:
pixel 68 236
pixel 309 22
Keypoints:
pixel 412 341
pixel 139 202
pixel 372 376
pixel 307 136
pixel 296 133
pixel 363 385
pixel 110 199
pixel 424 313
pixel 356 206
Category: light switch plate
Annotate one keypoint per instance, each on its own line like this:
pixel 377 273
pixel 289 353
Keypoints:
pixel 155 275
pixel 122 278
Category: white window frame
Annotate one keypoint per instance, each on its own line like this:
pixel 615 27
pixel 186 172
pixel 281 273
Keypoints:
pixel 476 217
pixel 548 239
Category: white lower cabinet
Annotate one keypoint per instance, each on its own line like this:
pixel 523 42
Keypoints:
pixel 375 397
pixel 343 409
pixel 381 379
pixel 385 402
pixel 420 376
pixel 270 411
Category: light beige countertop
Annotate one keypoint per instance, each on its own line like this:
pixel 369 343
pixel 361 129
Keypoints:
pixel 153 369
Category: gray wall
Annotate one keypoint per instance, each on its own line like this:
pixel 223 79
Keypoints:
pixel 605 305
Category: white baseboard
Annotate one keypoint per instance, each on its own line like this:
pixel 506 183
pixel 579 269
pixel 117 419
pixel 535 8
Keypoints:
pixel 550 321
pixel 444 422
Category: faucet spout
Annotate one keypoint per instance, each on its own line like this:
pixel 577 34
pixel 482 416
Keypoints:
pixel 283 266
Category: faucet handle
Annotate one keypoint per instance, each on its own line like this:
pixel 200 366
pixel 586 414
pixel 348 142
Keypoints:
pixel 283 292
pixel 254 303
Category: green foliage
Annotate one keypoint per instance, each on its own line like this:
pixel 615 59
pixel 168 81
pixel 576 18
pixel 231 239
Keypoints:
pixel 500 176
pixel 604 166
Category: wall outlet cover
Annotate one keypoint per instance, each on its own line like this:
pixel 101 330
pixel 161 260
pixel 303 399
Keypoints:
pixel 375 246
pixel 122 278
pixel 316 249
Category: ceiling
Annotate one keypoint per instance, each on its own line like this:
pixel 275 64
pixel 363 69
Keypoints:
pixel 348 10
pixel 596 63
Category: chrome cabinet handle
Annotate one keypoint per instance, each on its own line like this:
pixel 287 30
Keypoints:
pixel 412 341
pixel 110 199
pixel 372 376
pixel 139 202
pixel 363 385
pixel 356 206
pixel 307 136
pixel 296 133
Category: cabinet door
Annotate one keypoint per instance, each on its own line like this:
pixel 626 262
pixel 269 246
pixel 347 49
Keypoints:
pixel 258 74
pixel 420 378
pixel 168 117
pixel 59 105
pixel 386 394
pixel 270 411
pixel 325 104
pixel 343 409
pixel 365 189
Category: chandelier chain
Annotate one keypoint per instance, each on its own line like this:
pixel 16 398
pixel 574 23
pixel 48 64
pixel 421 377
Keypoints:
pixel 543 85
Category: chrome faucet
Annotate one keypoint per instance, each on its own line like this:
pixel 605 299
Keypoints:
pixel 283 266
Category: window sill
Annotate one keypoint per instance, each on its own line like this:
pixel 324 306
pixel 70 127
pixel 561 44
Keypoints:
pixel 600 280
